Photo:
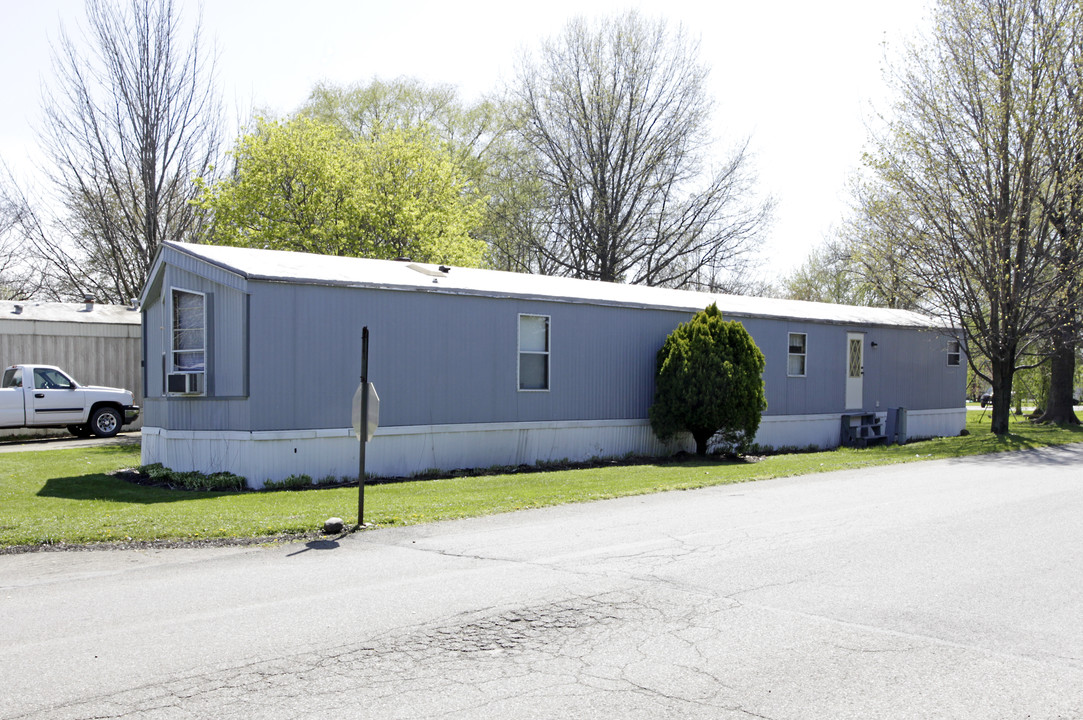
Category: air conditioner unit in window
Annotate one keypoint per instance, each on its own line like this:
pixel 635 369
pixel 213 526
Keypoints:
pixel 184 383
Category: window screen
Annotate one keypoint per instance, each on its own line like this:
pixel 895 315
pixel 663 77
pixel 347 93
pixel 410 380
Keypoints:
pixel 533 352
pixel 795 364
pixel 954 354
pixel 189 336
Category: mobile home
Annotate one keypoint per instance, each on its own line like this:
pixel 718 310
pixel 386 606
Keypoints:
pixel 252 358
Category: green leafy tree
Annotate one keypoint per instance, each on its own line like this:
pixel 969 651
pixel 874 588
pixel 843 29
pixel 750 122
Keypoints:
pixel 478 137
pixel 876 236
pixel 862 264
pixel 827 275
pixel 519 212
pixel 1063 205
pixel 967 156
pixel 363 111
pixel 306 185
pixel 710 383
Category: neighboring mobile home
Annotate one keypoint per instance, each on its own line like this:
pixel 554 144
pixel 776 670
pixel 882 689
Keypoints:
pixel 97 344
pixel 252 358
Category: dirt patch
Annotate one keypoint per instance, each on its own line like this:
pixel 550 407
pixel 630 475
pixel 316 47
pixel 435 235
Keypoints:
pixel 159 544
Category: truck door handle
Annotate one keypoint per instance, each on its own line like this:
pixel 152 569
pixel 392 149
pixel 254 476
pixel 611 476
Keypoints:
pixel 39 395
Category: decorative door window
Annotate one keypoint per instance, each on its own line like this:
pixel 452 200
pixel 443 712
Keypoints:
pixel 855 358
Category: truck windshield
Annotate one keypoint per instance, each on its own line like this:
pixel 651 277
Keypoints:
pixel 13 377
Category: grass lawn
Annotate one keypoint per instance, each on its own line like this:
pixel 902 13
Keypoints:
pixel 66 496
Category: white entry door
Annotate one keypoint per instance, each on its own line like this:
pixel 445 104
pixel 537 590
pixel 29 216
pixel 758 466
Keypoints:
pixel 855 371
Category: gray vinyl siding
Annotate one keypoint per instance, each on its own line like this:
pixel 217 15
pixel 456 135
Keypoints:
pixel 197 413
pixel 154 353
pixel 912 371
pixel 823 387
pixel 287 356
pixel 93 354
pixel 225 405
pixel 438 359
pixel 908 368
pixel 186 264
pixel 226 346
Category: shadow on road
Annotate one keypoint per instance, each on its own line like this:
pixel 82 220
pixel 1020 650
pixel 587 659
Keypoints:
pixel 1055 455
pixel 326 544
pixel 63 442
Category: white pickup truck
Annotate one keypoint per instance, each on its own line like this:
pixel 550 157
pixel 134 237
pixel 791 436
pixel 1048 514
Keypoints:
pixel 41 396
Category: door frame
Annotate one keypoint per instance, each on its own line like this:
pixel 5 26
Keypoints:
pixel 855 373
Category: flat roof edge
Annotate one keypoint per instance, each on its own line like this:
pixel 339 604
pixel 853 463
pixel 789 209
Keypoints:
pixel 600 302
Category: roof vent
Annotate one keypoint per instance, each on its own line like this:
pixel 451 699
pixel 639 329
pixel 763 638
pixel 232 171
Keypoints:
pixel 431 272
pixel 133 304
pixel 18 309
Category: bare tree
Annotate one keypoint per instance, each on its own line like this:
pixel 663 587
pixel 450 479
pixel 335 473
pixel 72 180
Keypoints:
pixel 967 155
pixel 18 278
pixel 9 249
pixel 9 245
pixel 127 127
pixel 518 212
pixel 616 117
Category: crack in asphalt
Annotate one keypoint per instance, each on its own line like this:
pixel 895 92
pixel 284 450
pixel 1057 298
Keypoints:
pixel 644 654
pixel 649 651
pixel 466 653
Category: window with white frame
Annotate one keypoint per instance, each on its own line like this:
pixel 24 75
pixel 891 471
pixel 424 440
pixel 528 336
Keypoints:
pixel 533 352
pixel 955 355
pixel 795 362
pixel 189 332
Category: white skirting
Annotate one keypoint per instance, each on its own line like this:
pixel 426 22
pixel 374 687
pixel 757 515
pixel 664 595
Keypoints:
pixel 925 424
pixel 408 451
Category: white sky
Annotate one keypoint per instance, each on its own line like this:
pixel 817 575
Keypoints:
pixel 799 78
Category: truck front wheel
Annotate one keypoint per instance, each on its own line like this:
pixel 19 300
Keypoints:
pixel 105 422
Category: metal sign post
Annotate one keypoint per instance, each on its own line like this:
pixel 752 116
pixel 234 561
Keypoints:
pixel 363 430
pixel 366 418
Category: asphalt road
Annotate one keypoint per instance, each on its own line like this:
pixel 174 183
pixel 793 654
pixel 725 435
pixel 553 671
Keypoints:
pixel 62 442
pixel 948 589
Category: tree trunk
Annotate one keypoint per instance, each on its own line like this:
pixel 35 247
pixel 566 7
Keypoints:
pixel 1002 396
pixel 1065 321
pixel 702 437
pixel 1062 379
